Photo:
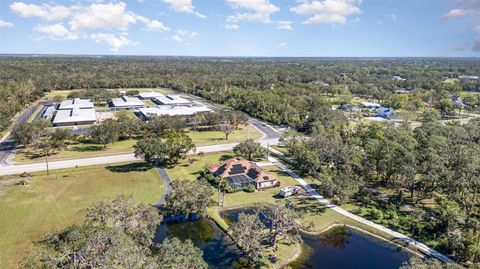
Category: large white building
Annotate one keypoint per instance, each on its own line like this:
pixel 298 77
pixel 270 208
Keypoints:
pixel 126 102
pixel 173 100
pixel 167 110
pixel 150 95
pixel 75 112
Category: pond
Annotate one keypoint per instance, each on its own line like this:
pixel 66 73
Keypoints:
pixel 340 248
pixel 219 251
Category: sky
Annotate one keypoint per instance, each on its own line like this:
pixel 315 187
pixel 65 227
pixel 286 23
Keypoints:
pixel 292 28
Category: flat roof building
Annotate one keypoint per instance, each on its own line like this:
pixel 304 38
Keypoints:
pixel 371 105
pixel 76 103
pixel 169 110
pixel 171 100
pixel 126 102
pixel 75 116
pixel 150 95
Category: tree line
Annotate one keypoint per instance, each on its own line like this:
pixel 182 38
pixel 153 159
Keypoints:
pixel 276 90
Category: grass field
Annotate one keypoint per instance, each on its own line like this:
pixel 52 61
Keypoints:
pixel 77 150
pixel 48 202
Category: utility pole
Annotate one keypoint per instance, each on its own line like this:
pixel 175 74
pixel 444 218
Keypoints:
pixel 46 161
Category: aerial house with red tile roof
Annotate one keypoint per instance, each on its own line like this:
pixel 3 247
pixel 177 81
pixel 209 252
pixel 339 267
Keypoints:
pixel 240 173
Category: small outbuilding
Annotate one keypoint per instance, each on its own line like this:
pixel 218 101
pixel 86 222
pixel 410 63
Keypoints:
pixel 289 191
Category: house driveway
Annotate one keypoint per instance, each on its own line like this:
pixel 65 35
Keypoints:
pixel 166 183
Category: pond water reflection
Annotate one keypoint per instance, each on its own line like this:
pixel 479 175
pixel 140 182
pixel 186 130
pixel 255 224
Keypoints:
pixel 340 248
pixel 219 251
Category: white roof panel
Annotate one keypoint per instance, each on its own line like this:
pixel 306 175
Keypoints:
pixel 126 101
pixel 172 100
pixel 76 103
pixel 145 95
pixel 166 110
pixel 75 115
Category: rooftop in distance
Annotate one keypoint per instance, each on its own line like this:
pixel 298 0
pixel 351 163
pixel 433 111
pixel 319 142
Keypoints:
pixel 76 103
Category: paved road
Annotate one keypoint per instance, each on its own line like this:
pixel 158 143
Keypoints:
pixel 166 183
pixel 6 144
pixel 36 167
pixel 314 194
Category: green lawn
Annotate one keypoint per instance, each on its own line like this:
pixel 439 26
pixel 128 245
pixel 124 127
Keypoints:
pixel 77 150
pixel 55 201
pixel 205 138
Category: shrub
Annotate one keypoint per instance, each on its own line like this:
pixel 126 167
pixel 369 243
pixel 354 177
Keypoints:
pixel 249 188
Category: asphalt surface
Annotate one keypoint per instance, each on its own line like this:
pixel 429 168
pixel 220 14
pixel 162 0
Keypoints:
pixel 7 145
pixel 36 167
pixel 166 183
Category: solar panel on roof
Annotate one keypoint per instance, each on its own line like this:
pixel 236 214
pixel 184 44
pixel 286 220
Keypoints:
pixel 237 169
pixel 253 173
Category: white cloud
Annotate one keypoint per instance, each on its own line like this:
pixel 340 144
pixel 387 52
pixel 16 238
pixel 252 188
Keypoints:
pixel 115 42
pixel 102 16
pixel 154 26
pixel 88 21
pixel 284 25
pixel 252 10
pixel 56 31
pixel 393 17
pixel 327 11
pixel 184 6
pixel 182 35
pixel 5 24
pixel 44 11
pixel 231 26
pixel 283 45
pixel 464 8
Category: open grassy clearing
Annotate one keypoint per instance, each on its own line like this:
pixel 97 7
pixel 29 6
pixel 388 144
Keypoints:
pixel 55 201
pixel 77 150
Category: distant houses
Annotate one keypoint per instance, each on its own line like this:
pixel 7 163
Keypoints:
pixel 126 103
pixel 240 173
pixel 371 105
pixel 385 112
pixel 469 77
pixel 398 78
pixel 73 112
